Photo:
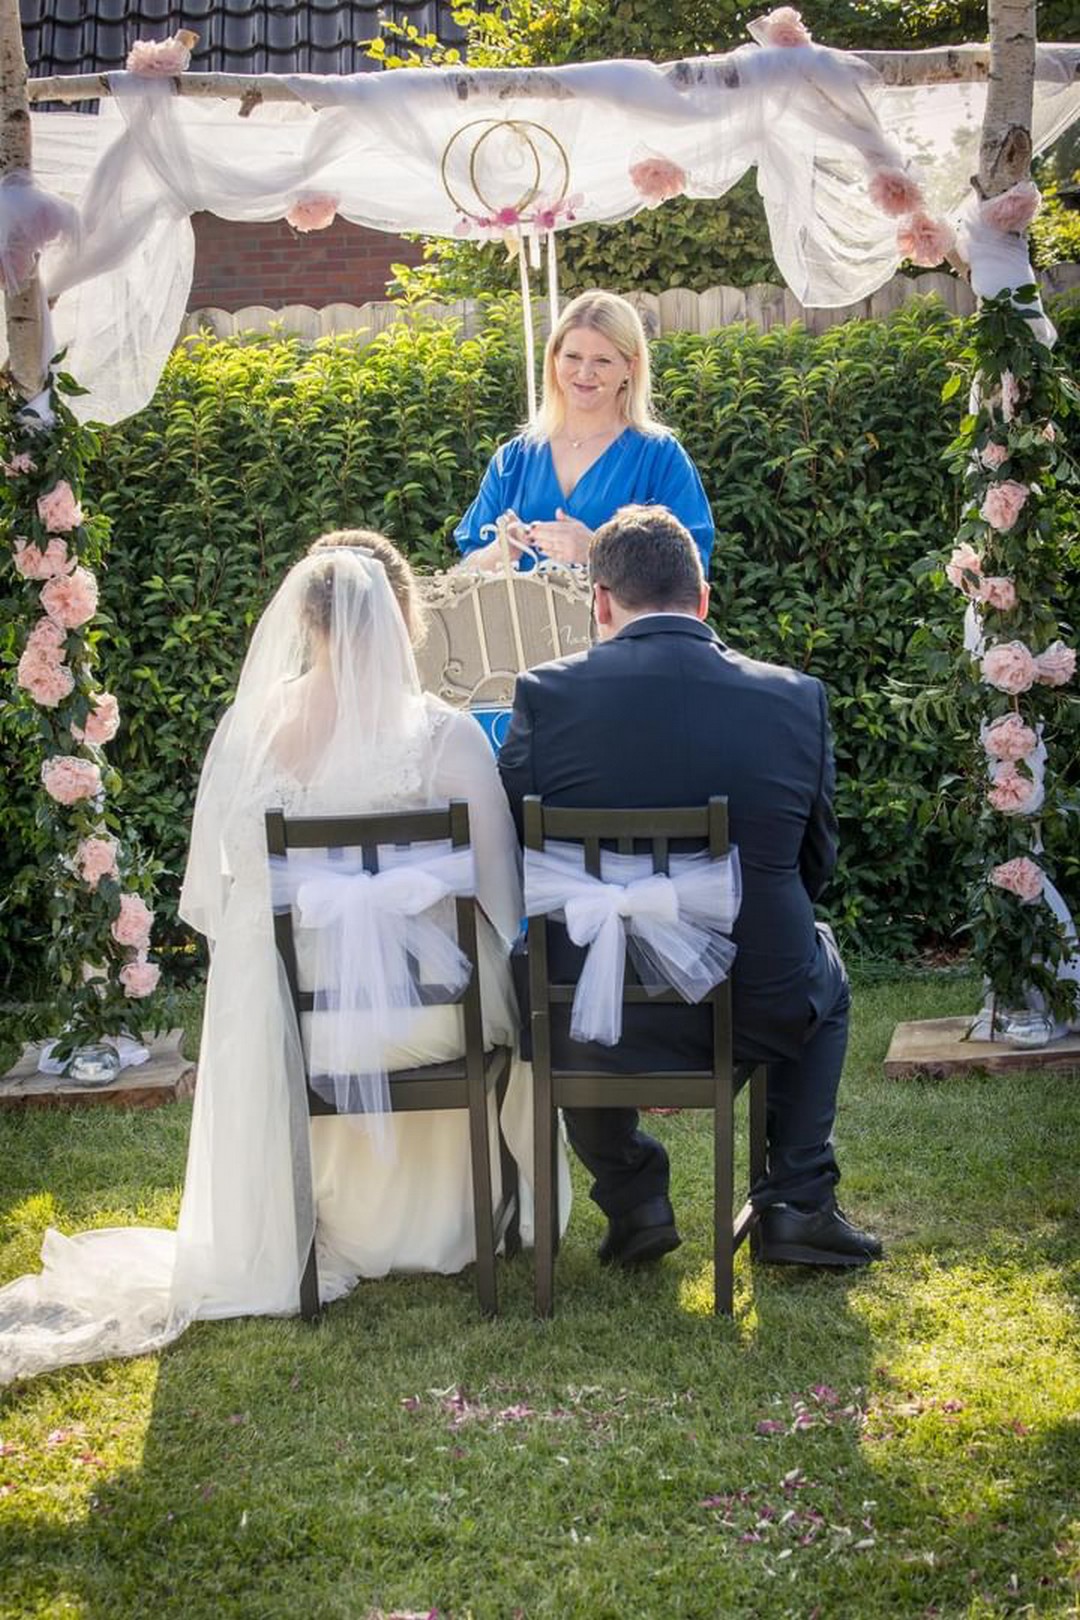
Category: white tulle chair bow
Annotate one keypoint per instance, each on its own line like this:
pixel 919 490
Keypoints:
pixel 378 956
pixel 674 927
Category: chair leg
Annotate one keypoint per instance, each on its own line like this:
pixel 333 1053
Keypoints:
pixel 544 1216
pixel 480 1154
pixel 723 1199
pixel 309 1288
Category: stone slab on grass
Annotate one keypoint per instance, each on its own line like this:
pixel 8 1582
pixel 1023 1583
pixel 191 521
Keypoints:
pixel 166 1076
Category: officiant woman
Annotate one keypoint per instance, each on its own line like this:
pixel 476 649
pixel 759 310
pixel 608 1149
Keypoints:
pixel 595 446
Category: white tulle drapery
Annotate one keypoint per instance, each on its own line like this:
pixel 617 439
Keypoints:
pixel 450 151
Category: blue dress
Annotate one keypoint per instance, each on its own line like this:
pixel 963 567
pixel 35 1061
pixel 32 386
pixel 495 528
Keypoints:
pixel 650 468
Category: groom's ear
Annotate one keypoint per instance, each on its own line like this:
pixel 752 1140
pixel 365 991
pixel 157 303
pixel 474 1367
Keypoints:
pixel 602 604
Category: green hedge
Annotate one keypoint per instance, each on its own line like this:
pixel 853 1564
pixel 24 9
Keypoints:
pixel 821 456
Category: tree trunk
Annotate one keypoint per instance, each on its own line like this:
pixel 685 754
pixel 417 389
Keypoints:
pixel 1005 151
pixel 23 308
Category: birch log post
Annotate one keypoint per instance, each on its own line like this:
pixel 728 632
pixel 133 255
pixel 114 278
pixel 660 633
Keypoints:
pixel 1005 149
pixel 24 328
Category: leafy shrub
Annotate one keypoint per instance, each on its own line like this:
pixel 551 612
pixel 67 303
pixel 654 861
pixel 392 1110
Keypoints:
pixel 822 456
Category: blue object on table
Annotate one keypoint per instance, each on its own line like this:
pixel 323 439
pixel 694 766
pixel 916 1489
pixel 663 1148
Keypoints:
pixel 495 720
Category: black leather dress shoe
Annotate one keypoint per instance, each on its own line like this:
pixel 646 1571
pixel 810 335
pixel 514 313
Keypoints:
pixel 644 1233
pixel 787 1236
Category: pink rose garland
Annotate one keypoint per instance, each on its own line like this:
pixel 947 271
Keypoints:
pixel 47 680
pixel 993 456
pixel 998 592
pixel 1056 666
pixel 68 779
pixel 964 569
pixel 132 926
pixel 1003 504
pixel 71 599
pixel 1012 792
pixel 102 723
pixel 1009 738
pixel 1021 877
pixel 140 977
pixel 1009 666
pixel 34 563
pixel 58 510
pixel 95 859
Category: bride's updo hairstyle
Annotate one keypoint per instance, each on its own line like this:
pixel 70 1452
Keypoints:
pixel 319 600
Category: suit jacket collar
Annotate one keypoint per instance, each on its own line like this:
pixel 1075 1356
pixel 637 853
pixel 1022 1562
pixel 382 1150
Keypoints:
pixel 667 624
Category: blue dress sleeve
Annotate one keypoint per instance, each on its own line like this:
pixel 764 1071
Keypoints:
pixel 492 499
pixel 680 489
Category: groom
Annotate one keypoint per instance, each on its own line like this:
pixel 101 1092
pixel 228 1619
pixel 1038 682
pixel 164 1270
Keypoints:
pixel 660 713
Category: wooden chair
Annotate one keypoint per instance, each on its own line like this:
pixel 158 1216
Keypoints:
pixel 465 1082
pixel 630 832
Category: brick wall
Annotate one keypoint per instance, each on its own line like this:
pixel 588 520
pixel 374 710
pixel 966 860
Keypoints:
pixel 237 265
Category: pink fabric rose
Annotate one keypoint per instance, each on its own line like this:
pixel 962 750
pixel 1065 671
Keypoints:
pixel 20 464
pixel 132 926
pixel 139 978
pixel 1009 738
pixel 71 599
pixel 925 241
pixel 95 859
pixel 1003 504
pixel 47 640
pixel 658 180
pixel 1012 210
pixel 34 563
pixel 1021 877
pixel 964 561
pixel 67 779
pixel 998 592
pixel 1049 433
pixel 1012 793
pixel 312 212
pixel 895 192
pixel 162 58
pixel 102 723
pixel 1009 666
pixel 46 680
pixel 58 510
pixel 992 455
pixel 785 27
pixel 1056 665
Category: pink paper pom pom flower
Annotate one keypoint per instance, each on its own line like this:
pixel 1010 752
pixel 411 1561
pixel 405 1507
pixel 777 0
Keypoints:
pixel 1003 504
pixel 162 58
pixel 102 723
pixel 1008 737
pixel 895 192
pixel 1056 665
pixel 999 593
pixel 68 779
pixel 58 509
pixel 71 599
pixel 925 241
pixel 20 464
pixel 785 27
pixel 1012 210
pixel 964 562
pixel 95 858
pixel 133 925
pixel 1021 877
pixel 33 562
pixel 993 455
pixel 47 640
pixel 139 978
pixel 1012 792
pixel 312 213
pixel 657 179
pixel 1009 666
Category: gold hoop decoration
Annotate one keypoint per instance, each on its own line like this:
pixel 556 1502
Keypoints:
pixel 545 154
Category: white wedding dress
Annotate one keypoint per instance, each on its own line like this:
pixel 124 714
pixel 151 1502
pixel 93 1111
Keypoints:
pixel 260 1177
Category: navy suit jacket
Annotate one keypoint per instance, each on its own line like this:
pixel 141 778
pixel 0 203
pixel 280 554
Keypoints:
pixel 664 714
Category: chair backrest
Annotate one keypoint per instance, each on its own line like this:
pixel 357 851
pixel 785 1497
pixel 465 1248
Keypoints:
pixel 369 834
pixel 658 833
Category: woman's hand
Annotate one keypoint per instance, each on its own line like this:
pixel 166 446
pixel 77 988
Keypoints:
pixel 488 559
pixel 563 539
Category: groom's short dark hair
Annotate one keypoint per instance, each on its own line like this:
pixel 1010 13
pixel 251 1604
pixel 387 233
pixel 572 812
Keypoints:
pixel 647 559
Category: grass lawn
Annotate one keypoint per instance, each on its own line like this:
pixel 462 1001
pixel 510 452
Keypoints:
pixel 899 1442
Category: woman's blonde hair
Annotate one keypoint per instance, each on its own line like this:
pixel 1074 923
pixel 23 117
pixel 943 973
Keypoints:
pixel 398 572
pixel 618 322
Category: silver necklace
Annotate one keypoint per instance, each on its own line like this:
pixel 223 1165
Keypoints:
pixel 576 444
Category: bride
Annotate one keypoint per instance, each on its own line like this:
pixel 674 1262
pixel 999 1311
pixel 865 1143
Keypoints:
pixel 329 719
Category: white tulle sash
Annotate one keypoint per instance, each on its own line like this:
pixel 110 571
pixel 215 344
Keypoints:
pixel 675 928
pixel 378 955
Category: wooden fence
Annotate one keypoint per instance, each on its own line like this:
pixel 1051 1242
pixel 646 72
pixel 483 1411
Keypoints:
pixel 677 310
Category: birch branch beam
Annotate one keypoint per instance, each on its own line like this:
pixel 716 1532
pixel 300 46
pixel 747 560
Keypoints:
pixel 964 64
